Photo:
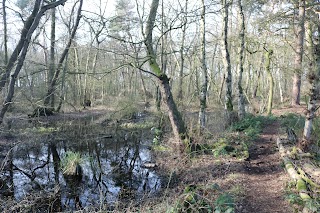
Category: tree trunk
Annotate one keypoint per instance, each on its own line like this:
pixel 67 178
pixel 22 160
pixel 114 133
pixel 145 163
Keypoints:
pixel 177 123
pixel 298 54
pixel 280 85
pixel 257 84
pixel 5 32
pixel 53 83
pixel 204 86
pixel 63 88
pixel 271 81
pixel 52 52
pixel 241 107
pixel 226 62
pixel 313 77
pixel 22 47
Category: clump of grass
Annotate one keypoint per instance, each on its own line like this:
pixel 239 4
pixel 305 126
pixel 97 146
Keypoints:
pixel 142 125
pixel 70 161
pixel 235 145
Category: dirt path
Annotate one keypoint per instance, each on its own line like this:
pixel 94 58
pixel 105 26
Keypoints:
pixel 263 178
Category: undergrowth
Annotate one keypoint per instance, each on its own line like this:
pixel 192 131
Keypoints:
pixel 236 141
pixel 208 198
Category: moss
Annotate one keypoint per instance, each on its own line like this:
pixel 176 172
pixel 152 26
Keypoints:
pixel 301 185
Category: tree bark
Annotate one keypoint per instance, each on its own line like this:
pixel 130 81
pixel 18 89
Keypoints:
pixel 52 52
pixel 241 107
pixel 204 86
pixel 313 77
pixel 226 62
pixel 298 54
pixel 177 123
pixel 21 49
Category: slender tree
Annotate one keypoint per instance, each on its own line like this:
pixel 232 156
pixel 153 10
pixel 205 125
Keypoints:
pixel 182 56
pixel 64 54
pixel 5 32
pixel 52 52
pixel 241 107
pixel 298 53
pixel 204 74
pixel 226 61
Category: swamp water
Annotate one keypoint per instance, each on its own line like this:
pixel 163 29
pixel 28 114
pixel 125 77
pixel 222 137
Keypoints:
pixel 115 166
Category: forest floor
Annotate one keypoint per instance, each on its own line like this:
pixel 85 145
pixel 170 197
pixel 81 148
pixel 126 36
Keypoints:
pixel 258 182
pixel 263 177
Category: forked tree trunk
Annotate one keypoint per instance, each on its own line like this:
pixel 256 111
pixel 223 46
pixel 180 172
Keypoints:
pixel 177 123
pixel 298 54
pixel 241 107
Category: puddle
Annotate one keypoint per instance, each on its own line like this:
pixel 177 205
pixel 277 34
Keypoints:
pixel 114 164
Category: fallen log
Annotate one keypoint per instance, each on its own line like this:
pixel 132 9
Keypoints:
pixel 301 185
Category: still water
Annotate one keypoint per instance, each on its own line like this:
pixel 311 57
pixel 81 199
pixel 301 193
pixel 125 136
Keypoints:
pixel 113 163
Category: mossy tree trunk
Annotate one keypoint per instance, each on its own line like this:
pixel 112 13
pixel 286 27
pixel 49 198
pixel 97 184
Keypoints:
pixel 271 81
pixel 241 107
pixel 177 123
pixel 313 77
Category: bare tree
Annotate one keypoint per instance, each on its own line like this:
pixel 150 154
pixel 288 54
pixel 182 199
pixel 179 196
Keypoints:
pixel 64 54
pixel 52 52
pixel 21 49
pixel 177 123
pixel 182 56
pixel 204 86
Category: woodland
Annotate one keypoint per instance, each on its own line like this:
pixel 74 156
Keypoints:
pixel 160 106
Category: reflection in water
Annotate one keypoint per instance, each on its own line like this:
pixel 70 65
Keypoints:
pixel 112 167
